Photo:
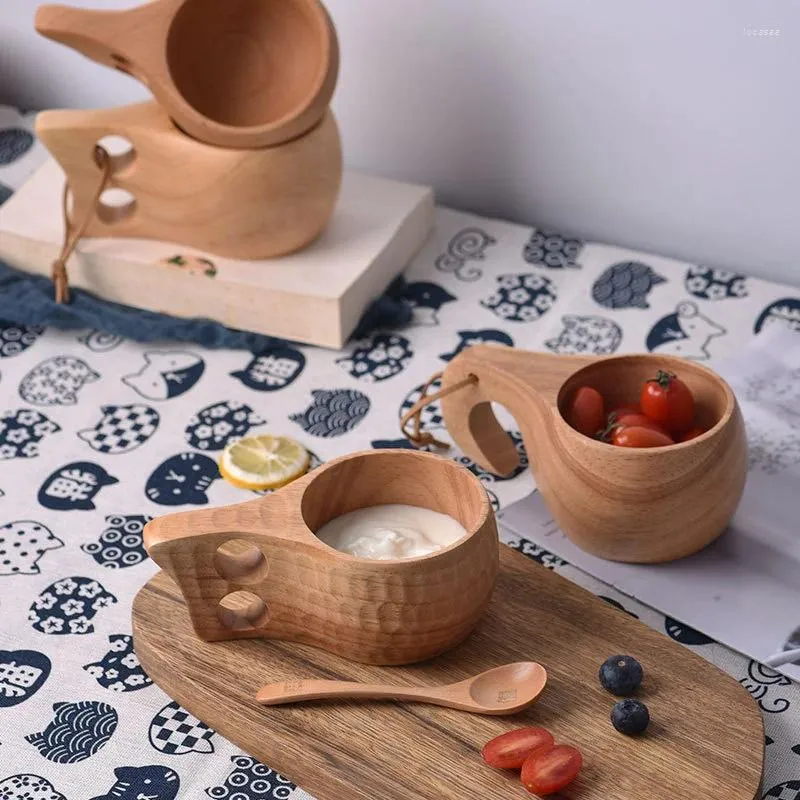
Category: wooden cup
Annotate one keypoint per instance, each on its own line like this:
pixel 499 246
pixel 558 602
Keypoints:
pixel 244 204
pixel 256 569
pixel 233 73
pixel 635 505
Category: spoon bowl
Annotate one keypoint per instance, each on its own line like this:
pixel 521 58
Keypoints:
pixel 496 692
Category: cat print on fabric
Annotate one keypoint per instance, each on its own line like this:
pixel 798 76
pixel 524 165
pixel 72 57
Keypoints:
pixel 466 246
pixel 397 444
pixel 16 339
pixel 22 674
pixel 332 412
pixel 612 602
pixel 682 633
pixel 5 193
pixel 166 374
pixel 586 334
pixel 781 312
pixel 760 682
pixel 521 298
pixel 385 356
pixel 174 731
pixel 274 369
pixel 100 341
pixel 77 731
pixel 484 336
pixel 532 550
pixel 251 780
pixel 14 143
pixel 182 480
pixel 790 790
pixel 714 284
pixel 21 430
pixel 425 299
pixel 22 544
pixel 552 250
pixel 626 285
pixel 431 418
pixel 143 783
pixel 121 429
pixel 119 669
pixel 74 487
pixel 28 787
pixel 220 424
pixel 56 381
pixel 121 543
pixel 486 477
pixel 686 333
pixel 68 606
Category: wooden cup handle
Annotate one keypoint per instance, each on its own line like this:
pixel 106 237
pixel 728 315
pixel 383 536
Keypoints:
pixel 107 37
pixel 526 383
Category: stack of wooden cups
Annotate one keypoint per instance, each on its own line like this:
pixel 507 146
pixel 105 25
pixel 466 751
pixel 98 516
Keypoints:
pixel 238 154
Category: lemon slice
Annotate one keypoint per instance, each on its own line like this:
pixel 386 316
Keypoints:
pixel 263 462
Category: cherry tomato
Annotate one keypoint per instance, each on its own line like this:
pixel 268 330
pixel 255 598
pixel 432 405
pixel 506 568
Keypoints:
pixel 625 408
pixel 510 750
pixel 692 433
pixel 639 436
pixel 586 411
pixel 547 771
pixel 669 401
pixel 635 419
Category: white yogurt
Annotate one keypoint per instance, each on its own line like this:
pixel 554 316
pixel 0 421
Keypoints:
pixel 391 532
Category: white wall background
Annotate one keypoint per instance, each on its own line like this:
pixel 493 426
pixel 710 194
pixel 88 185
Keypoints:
pixel 659 124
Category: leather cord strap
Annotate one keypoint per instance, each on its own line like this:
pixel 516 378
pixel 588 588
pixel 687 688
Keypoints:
pixel 416 435
pixel 72 232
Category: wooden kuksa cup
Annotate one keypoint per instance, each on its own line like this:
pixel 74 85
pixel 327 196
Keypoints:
pixel 232 73
pixel 256 569
pixel 634 505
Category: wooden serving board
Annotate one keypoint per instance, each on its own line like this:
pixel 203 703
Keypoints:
pixel 706 738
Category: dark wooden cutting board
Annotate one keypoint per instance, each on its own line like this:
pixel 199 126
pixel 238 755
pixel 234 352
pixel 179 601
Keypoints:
pixel 706 739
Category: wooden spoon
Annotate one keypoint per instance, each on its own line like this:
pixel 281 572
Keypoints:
pixel 498 691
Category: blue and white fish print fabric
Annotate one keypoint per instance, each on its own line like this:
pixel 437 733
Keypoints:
pixel 100 434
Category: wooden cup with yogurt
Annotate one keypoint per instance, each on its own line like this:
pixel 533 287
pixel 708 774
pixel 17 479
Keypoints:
pixel 425 563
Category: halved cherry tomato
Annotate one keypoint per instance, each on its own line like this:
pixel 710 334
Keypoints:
pixel 669 401
pixel 509 750
pixel 586 411
pixel 639 436
pixel 547 771
pixel 692 433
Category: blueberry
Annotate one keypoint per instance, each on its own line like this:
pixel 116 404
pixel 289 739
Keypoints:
pixel 630 717
pixel 621 675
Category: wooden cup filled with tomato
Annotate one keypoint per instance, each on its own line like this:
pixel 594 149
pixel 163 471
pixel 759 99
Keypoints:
pixel 664 414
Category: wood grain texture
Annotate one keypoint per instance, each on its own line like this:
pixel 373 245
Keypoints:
pixel 623 504
pixel 244 204
pixel 238 74
pixel 256 569
pixel 706 739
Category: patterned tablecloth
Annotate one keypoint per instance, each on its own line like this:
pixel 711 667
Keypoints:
pixel 97 435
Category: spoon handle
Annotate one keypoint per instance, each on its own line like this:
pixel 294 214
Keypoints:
pixel 274 694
